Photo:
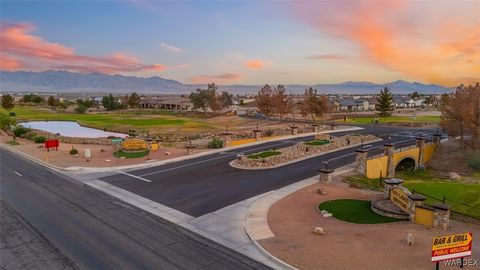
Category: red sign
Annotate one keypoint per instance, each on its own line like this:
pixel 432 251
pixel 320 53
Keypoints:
pixel 52 144
pixel 452 246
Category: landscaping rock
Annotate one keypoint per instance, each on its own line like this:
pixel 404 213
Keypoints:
pixel 318 231
pixel 321 191
pixel 410 239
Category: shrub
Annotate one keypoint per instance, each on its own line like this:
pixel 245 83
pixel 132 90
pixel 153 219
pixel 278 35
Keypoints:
pixel 30 135
pixel 81 109
pixel 12 114
pixel 19 131
pixel 474 161
pixel 73 151
pixel 215 143
pixel 268 132
pixel 39 139
pixel 12 142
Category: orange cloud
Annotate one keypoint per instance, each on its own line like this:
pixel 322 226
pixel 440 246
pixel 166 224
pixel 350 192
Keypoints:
pixel 10 63
pixel 256 64
pixel 221 78
pixel 325 57
pixel 16 41
pixel 434 47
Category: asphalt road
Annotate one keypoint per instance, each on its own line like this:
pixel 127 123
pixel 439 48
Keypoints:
pixel 79 227
pixel 205 184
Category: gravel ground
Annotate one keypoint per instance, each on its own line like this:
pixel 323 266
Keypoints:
pixel 22 247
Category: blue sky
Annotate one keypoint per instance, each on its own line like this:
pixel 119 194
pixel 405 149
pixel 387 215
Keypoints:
pixel 242 42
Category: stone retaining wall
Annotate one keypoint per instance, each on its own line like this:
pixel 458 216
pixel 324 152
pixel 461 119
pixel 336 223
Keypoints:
pixel 300 150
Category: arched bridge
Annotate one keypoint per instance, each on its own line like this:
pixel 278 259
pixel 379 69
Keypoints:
pixel 385 161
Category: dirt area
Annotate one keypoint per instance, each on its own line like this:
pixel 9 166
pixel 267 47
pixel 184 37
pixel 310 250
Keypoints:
pixel 102 155
pixel 451 157
pixel 346 245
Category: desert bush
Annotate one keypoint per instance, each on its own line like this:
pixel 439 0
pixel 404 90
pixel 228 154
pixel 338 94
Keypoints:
pixel 12 114
pixel 268 132
pixel 215 143
pixel 73 151
pixel 39 139
pixel 474 161
pixel 30 135
pixel 19 131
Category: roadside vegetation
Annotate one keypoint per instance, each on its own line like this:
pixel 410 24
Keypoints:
pixel 264 154
pixel 125 154
pixel 354 211
pixel 317 142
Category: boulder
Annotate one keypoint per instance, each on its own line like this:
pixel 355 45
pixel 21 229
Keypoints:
pixel 318 231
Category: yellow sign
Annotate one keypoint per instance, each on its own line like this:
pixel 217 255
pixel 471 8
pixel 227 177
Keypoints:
pixel 452 246
pixel 154 146
pixel 399 198
pixel 134 144
pixel 451 241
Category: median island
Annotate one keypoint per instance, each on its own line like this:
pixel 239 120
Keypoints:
pixel 300 151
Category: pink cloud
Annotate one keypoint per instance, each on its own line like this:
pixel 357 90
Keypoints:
pixel 10 63
pixel 221 78
pixel 434 47
pixel 170 48
pixel 325 57
pixel 256 64
pixel 17 41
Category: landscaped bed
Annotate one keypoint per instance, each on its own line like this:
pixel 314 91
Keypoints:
pixel 299 151
pixel 264 154
pixel 136 154
pixel 462 197
pixel 317 142
pixel 354 211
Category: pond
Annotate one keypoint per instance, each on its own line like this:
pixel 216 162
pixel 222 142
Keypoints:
pixel 70 129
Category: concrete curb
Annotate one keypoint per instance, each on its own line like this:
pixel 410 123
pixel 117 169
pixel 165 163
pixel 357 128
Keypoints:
pixel 300 159
pixel 79 169
pixel 256 224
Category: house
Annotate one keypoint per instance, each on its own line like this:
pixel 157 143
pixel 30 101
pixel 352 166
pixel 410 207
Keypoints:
pixel 244 110
pixel 352 105
pixel 176 103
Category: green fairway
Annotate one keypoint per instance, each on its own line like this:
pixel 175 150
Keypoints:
pixel 264 154
pixel 354 211
pixel 317 142
pixel 115 121
pixel 394 119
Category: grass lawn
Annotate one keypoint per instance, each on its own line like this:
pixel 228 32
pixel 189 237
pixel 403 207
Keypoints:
pixel 457 194
pixel 317 142
pixel 121 153
pixel 264 154
pixel 354 211
pixel 394 119
pixel 121 121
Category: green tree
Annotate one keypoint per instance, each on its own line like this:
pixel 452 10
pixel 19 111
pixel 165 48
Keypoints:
pixel 37 99
pixel 81 109
pixel 385 103
pixel 6 125
pixel 133 100
pixel 111 103
pixel 203 98
pixel 27 97
pixel 226 99
pixel 52 102
pixel 414 95
pixel 7 102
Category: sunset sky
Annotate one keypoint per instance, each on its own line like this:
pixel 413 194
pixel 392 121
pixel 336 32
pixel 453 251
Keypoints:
pixel 247 42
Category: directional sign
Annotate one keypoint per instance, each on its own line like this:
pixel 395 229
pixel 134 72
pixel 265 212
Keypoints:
pixel 117 140
pixel 452 246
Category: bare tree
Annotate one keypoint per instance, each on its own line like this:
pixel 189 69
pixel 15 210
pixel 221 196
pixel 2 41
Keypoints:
pixel 264 100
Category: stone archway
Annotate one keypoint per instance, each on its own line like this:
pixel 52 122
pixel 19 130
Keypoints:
pixel 406 164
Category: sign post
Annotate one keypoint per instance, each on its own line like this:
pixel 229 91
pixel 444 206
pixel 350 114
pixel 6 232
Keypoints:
pixel 451 247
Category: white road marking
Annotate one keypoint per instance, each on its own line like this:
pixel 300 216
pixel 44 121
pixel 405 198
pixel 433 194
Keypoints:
pixel 137 177
pixel 346 155
pixel 17 173
pixel 225 154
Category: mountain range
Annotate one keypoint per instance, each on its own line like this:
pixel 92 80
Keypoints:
pixel 65 81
